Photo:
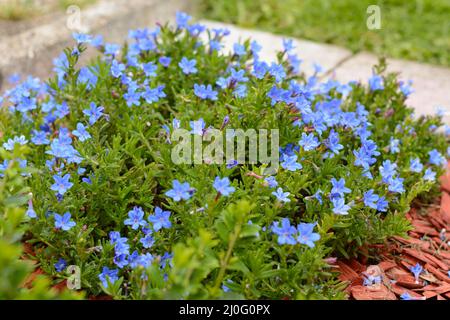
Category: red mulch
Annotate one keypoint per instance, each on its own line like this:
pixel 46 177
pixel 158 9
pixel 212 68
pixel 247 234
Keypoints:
pixel 428 245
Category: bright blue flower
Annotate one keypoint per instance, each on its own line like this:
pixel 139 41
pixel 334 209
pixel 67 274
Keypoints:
pixel 339 188
pixel 147 241
pixel 188 66
pixel 393 145
pixel 135 218
pixel 160 219
pixel 182 19
pixel 117 69
pixel 415 165
pixel 64 222
pixel 153 94
pixel 120 260
pixel 82 38
pixel 429 175
pixel 81 132
pixel 121 246
pixel 223 186
pixel 9 145
pixel 290 163
pixel 288 45
pixel 396 185
pixel 309 141
pixel 281 196
pixel 179 191
pixel 205 92
pixel 277 71
pixel 239 49
pixel 60 265
pixel 332 142
pixel 318 196
pixel 40 138
pixel 133 97
pixel 436 158
pixel 240 91
pixel 166 259
pixel 30 211
pixel 165 61
pixel 272 182
pixel 111 49
pixel 376 83
pixel 108 275
pixel 307 235
pixel 370 199
pixel 197 126
pixel 382 204
pixel 339 206
pixel 62 184
pixel 94 113
pixel 416 271
pixel 149 69
pixel 406 88
pixel 260 69
pixel 388 170
pixel 406 296
pixel 285 233
pixel 238 75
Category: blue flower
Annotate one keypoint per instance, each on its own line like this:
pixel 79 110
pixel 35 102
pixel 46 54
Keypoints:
pixel 306 234
pixel 393 145
pixel 382 204
pixel 223 186
pixel 165 61
pixel 188 66
pixel 81 132
pixel 179 191
pixel 281 196
pixel 197 126
pixel 396 185
pixel 406 88
pixel 30 211
pixel 205 92
pixel 388 170
pixel 239 49
pixel 82 38
pixel 406 296
pixel 339 188
pixel 376 83
pixel 40 138
pixel 429 175
pixel 339 206
pixel 60 265
pixel 160 219
pixel 9 145
pixel 182 19
pixel 120 260
pixel 108 275
pixel 94 113
pixel 153 94
pixel 415 165
pixel 117 69
pixel 63 222
pixel 288 45
pixel 416 271
pixel 147 241
pixel 272 182
pixel 135 218
pixel 277 71
pixel 149 69
pixel 285 233
pixel 370 199
pixel 309 141
pixel 62 184
pixel 111 49
pixel 436 158
pixel 332 142
pixel 290 163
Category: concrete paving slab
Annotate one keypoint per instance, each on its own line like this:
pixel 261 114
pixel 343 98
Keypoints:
pixel 431 83
pixel 328 56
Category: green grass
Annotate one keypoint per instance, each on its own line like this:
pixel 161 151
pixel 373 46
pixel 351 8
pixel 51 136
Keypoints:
pixel 414 30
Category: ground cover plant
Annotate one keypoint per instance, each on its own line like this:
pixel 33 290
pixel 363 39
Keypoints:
pixel 413 30
pixel 104 194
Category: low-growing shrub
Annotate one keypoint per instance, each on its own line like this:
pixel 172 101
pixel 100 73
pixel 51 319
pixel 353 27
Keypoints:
pixel 109 198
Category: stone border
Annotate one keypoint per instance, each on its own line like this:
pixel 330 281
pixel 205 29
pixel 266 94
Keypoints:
pixel 32 51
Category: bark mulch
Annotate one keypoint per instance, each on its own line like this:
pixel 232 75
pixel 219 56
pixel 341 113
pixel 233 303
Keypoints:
pixel 428 244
